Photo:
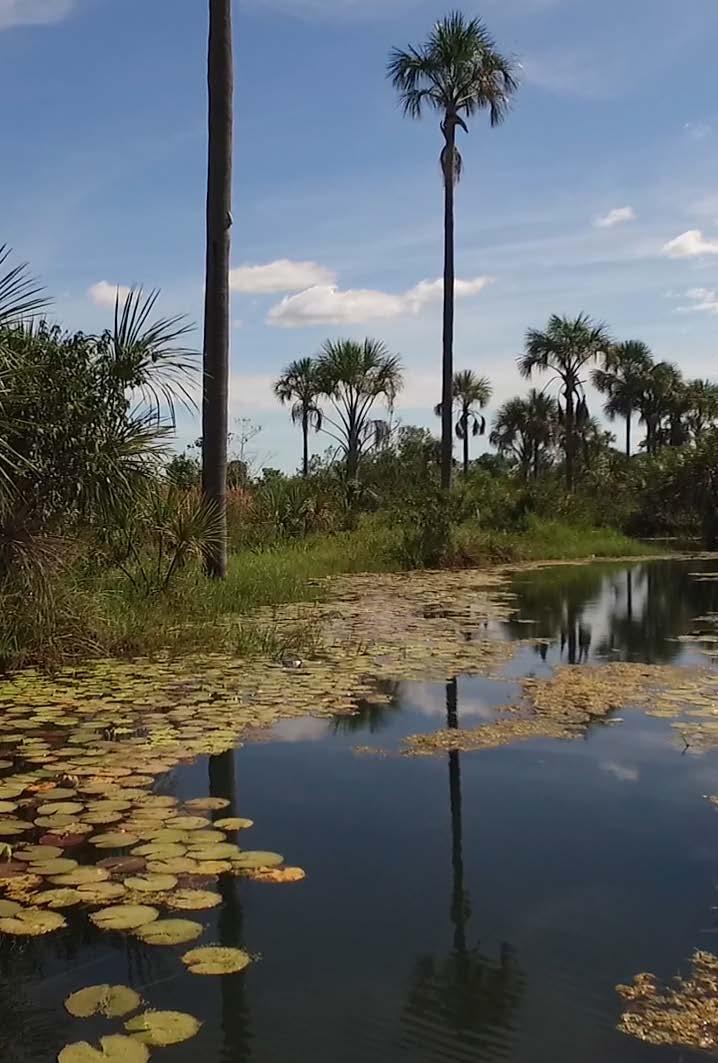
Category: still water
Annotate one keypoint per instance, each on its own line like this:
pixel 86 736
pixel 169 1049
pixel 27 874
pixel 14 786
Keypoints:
pixel 464 907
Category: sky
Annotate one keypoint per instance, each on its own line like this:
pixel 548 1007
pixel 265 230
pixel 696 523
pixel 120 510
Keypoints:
pixel 597 195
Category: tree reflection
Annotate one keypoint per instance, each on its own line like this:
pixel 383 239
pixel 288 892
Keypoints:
pixel 236 1025
pixel 639 610
pixel 370 715
pixel 466 994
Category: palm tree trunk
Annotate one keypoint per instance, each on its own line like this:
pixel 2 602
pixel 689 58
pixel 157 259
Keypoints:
pixel 536 460
pixel 216 309
pixel 570 438
pixel 628 435
pixel 466 447
pixel 447 369
pixel 305 433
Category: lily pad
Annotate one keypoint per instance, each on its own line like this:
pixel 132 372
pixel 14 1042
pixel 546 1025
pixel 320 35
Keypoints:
pixel 169 932
pixel 114 1049
pixel 32 922
pixel 58 898
pixel 234 823
pixel 216 960
pixel 189 822
pixel 33 854
pixel 9 908
pixel 257 859
pixel 81 876
pixel 207 804
pixel 165 851
pixel 110 1001
pixel 127 865
pixel 193 900
pixel 11 827
pixel 114 840
pixel 101 892
pixel 124 917
pixel 60 808
pixel 151 883
pixel 278 874
pixel 161 1028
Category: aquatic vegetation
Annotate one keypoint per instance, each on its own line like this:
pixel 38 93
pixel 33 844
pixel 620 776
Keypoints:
pixel 216 960
pixel 161 1028
pixel 487 736
pixel 31 922
pixel 124 917
pixel 110 1001
pixel 169 932
pixel 113 1049
pixel 683 1013
pixel 281 874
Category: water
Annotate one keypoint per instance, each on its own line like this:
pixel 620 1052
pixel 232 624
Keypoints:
pixel 464 907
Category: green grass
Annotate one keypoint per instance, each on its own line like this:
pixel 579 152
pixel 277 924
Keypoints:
pixel 98 614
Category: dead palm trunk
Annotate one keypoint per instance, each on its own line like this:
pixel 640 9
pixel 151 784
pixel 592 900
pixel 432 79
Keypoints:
pixel 216 310
pixel 305 434
pixel 447 441
pixel 465 422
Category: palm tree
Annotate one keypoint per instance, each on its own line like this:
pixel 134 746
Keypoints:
pixel 458 72
pixel 621 381
pixel 215 394
pixel 659 386
pixel 565 349
pixel 469 392
pixel 702 410
pixel 525 429
pixel 298 383
pixel 353 377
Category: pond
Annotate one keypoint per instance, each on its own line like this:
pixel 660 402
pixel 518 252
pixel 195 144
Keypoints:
pixel 460 907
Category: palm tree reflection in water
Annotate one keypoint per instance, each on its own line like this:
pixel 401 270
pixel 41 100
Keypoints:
pixel 467 995
pixel 236 1028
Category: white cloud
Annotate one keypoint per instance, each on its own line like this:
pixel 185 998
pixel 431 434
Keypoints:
pixel 689 245
pixel 698 130
pixel 284 275
pixel 703 300
pixel 614 217
pixel 623 772
pixel 33 12
pixel 105 294
pixel 328 305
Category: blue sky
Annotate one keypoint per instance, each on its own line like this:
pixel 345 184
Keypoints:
pixel 598 194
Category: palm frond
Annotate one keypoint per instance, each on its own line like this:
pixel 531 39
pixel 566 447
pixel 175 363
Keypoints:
pixel 20 294
pixel 149 356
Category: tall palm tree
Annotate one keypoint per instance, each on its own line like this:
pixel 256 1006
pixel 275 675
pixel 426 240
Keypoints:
pixel 469 392
pixel 660 384
pixel 565 348
pixel 215 394
pixel 525 429
pixel 353 377
pixel 621 381
pixel 458 72
pixel 298 383
pixel 702 410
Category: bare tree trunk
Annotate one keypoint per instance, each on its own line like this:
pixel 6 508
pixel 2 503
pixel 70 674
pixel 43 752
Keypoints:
pixel 628 435
pixel 570 437
pixel 536 460
pixel 216 309
pixel 466 447
pixel 305 433
pixel 447 369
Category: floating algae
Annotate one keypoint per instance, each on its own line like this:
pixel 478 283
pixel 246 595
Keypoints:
pixel 684 1013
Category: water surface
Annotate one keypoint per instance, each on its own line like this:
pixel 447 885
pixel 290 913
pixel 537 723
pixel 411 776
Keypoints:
pixel 463 907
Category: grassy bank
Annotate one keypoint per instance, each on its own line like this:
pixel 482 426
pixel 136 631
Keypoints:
pixel 95 614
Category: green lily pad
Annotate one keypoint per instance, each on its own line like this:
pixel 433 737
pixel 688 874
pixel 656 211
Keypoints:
pixel 114 1049
pixel 118 839
pixel 169 932
pixel 124 917
pixel 257 859
pixel 34 854
pixel 32 922
pixel 58 898
pixel 161 1028
pixel 193 900
pixel 220 851
pixel 60 866
pixel 234 823
pixel 207 804
pixel 151 883
pixel 166 851
pixel 216 960
pixel 9 908
pixel 81 876
pixel 60 808
pixel 110 1001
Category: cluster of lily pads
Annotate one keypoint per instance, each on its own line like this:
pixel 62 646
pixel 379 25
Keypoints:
pixel 150 1028
pixel 682 1013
